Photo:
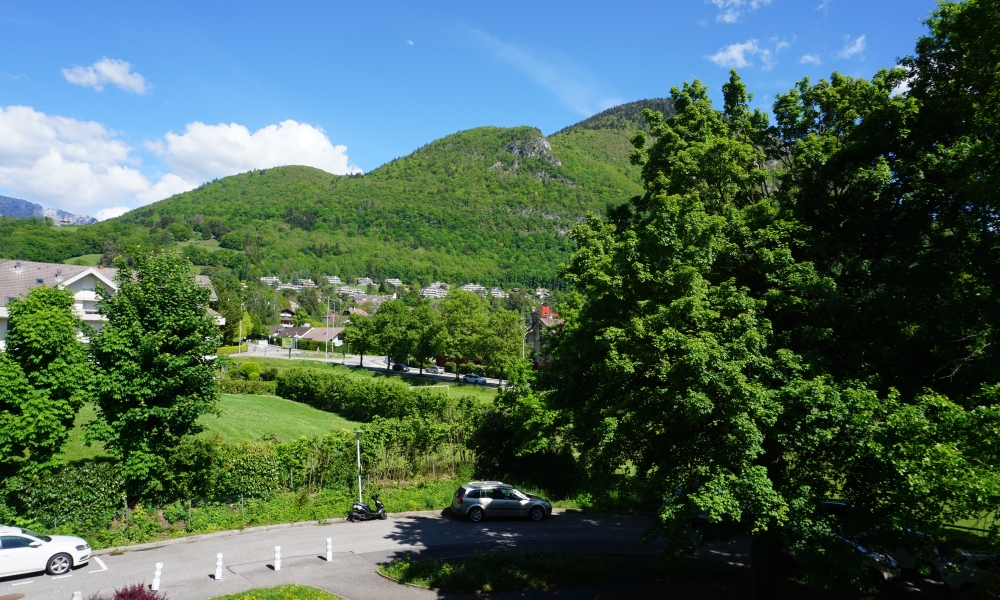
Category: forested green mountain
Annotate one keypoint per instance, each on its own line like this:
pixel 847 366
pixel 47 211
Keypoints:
pixel 490 204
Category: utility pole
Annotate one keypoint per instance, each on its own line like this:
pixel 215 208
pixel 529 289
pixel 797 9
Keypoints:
pixel 328 327
pixel 239 343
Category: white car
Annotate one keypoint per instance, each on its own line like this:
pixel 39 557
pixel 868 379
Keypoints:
pixel 436 370
pixel 24 551
pixel 473 378
pixel 971 573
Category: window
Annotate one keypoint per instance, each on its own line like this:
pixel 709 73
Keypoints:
pixel 472 494
pixel 14 541
pixel 39 280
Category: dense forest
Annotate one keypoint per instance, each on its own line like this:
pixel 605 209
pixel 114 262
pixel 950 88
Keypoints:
pixel 491 205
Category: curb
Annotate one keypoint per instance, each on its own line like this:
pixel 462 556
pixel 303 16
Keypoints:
pixel 413 514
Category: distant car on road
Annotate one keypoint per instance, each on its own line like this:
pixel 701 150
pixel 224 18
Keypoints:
pixel 24 551
pixel 478 499
pixel 435 369
pixel 401 367
pixel 473 378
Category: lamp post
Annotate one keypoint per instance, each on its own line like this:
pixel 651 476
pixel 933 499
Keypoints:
pixel 239 343
pixel 357 435
pixel 524 338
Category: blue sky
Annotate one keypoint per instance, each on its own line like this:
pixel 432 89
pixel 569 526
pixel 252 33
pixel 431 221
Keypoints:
pixel 108 106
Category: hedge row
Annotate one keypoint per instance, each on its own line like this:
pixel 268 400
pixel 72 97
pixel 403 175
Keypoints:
pixel 253 388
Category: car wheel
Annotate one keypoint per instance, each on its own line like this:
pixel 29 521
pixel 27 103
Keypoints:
pixel 537 513
pixel 60 564
pixel 475 514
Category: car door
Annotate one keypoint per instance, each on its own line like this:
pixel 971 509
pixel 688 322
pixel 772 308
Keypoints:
pixel 519 503
pixel 17 555
pixel 502 503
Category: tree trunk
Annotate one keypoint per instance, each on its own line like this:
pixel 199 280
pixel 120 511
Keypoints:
pixel 457 369
pixel 362 362
pixel 766 563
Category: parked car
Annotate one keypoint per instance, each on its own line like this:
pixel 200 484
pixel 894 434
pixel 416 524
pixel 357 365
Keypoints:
pixel 473 378
pixel 977 575
pixel 401 367
pixel 435 369
pixel 24 551
pixel 478 499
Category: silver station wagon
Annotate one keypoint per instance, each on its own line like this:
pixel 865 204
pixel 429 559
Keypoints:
pixel 479 499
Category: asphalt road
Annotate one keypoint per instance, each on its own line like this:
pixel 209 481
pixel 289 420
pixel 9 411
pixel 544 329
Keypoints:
pixel 189 566
pixel 248 558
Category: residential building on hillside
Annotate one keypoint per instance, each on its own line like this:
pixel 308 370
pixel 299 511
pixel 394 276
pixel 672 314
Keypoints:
pixel 333 280
pixel 542 293
pixel 353 311
pixel 290 331
pixel 498 293
pixel 474 287
pixel 289 286
pixel 287 316
pixel 18 277
pixel 542 322
pixel 307 283
pixel 271 281
pixel 365 281
pixel 435 290
pixel 374 299
pixel 393 283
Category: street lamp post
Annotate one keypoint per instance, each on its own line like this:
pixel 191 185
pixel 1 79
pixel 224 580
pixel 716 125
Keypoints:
pixel 239 343
pixel 524 338
pixel 357 435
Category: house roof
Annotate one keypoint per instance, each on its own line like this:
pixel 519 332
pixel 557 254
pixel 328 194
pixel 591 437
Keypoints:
pixel 355 311
pixel 18 277
pixel 323 334
pixel 299 331
pixel 15 283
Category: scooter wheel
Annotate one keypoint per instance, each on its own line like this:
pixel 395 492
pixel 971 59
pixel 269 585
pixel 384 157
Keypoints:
pixel 383 515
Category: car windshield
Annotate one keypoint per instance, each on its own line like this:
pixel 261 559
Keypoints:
pixel 520 494
pixel 44 538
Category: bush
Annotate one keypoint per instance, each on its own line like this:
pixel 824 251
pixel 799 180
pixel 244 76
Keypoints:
pixel 251 388
pixel 251 469
pixel 249 371
pixel 449 367
pixel 269 374
pixel 88 494
pixel 224 350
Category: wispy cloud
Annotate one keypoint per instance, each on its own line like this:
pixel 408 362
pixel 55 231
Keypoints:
pixel 108 70
pixel 410 42
pixel 572 85
pixel 823 5
pixel 732 10
pixel 810 59
pixel 738 56
pixel 852 48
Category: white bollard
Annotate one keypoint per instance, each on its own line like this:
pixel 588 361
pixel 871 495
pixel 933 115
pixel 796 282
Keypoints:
pixel 329 550
pixel 77 596
pixel 218 567
pixel 277 558
pixel 156 577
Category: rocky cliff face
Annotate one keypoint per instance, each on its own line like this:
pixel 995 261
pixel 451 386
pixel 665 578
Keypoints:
pixel 15 207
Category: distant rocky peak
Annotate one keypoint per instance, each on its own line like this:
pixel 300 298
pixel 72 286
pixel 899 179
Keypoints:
pixel 19 209
pixel 532 147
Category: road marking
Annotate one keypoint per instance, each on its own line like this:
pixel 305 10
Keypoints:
pixel 23 583
pixel 104 567
pixel 63 576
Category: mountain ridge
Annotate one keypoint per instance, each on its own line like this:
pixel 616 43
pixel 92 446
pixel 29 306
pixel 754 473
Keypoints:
pixel 18 208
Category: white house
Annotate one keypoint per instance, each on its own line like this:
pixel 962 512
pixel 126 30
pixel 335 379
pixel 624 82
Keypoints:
pixel 18 277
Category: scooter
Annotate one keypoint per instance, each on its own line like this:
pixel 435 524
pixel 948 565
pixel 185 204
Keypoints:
pixel 364 512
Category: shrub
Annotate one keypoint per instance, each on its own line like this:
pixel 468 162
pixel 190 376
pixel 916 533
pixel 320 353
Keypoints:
pixel 269 374
pixel 251 469
pixel 449 367
pixel 137 591
pixel 249 371
pixel 88 493
pixel 252 388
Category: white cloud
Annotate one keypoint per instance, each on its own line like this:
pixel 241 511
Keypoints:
pixel 84 168
pixel 204 152
pixel 572 85
pixel 824 5
pixel 732 10
pixel 852 48
pixel 110 213
pixel 810 59
pixel 736 55
pixel 108 70
pixel 410 42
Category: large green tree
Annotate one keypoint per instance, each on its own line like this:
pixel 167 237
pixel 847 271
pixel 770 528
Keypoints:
pixel 430 337
pixel 361 336
pixel 44 380
pixel 466 316
pixel 155 372
pixel 393 330
pixel 706 356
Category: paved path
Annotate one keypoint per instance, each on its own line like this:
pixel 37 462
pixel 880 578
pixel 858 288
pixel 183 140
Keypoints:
pixel 189 563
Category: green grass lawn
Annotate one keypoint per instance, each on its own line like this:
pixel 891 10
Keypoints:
pixel 206 244
pixel 88 260
pixel 242 418
pixel 282 592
